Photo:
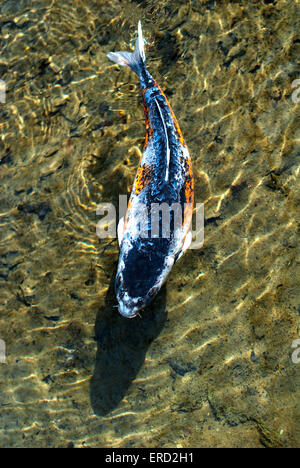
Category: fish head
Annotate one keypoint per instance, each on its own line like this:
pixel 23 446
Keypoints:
pixel 137 284
pixel 128 306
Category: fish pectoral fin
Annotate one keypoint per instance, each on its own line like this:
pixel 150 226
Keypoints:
pixel 186 244
pixel 120 230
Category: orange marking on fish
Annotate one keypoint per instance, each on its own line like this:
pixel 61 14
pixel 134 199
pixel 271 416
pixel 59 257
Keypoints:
pixel 126 217
pixel 142 178
pixel 188 193
pixel 189 183
pixel 146 112
pixel 149 134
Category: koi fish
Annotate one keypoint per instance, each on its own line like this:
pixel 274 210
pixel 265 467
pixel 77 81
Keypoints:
pixel 164 179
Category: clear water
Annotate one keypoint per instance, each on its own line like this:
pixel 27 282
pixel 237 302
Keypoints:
pixel 209 364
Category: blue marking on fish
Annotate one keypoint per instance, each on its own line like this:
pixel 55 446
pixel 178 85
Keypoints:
pixel 164 178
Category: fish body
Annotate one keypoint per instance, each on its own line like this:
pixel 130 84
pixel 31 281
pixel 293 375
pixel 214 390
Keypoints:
pixel 156 228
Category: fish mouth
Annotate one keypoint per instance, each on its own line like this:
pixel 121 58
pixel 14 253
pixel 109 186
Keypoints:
pixel 127 311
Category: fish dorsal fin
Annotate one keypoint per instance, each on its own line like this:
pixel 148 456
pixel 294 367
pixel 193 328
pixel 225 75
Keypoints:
pixel 167 140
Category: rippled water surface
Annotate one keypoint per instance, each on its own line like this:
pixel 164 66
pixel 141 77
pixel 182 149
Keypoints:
pixel 209 364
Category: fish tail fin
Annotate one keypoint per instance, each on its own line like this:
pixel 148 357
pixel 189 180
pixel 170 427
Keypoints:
pixel 134 60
